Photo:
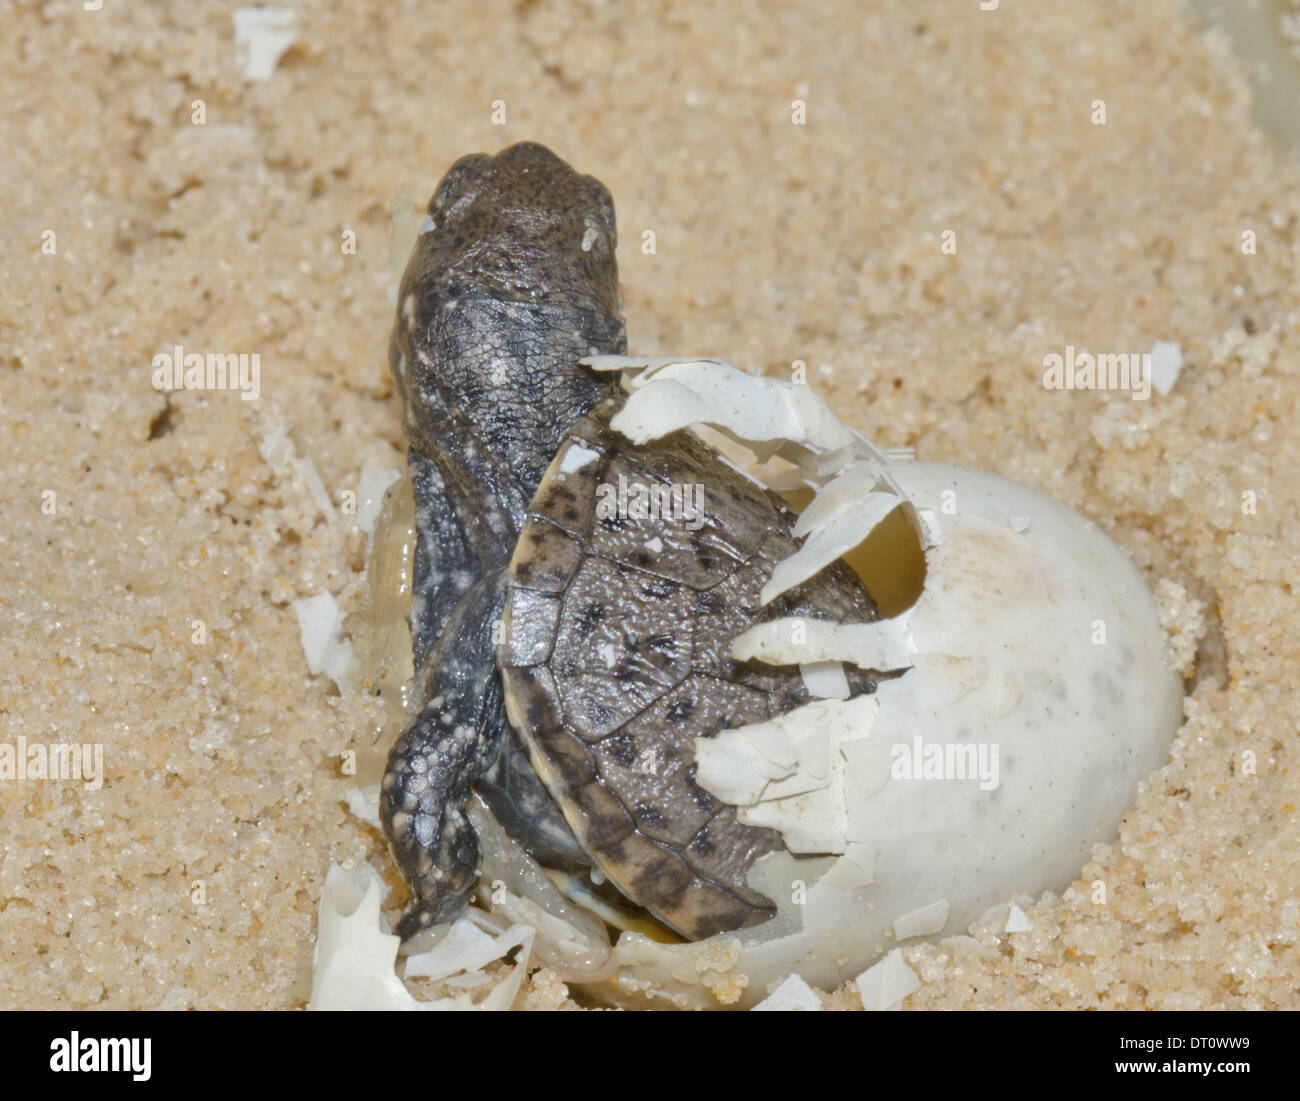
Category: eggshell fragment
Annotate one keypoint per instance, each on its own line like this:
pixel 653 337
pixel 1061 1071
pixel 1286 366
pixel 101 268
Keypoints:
pixel 262 35
pixel 884 986
pixel 829 541
pixel 847 490
pixel 825 680
pixel 465 948
pixel 797 783
pixel 675 393
pixel 885 644
pixel 922 921
pixel 353 966
pixel 320 627
pixel 793 994
pixel 353 962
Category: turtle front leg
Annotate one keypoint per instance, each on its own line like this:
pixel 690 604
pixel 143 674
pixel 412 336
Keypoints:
pixel 446 745
pixel 461 535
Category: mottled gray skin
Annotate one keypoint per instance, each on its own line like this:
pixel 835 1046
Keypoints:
pixel 515 283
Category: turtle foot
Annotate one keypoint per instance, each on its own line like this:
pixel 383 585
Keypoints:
pixel 441 753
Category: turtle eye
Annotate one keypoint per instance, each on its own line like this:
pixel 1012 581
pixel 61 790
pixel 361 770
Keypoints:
pixel 453 184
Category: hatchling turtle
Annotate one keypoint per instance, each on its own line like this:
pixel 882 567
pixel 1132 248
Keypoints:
pixel 575 596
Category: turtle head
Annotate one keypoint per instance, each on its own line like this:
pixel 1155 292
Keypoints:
pixel 522 226
pixel 511 283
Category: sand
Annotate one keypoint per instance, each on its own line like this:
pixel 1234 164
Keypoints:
pixel 153 543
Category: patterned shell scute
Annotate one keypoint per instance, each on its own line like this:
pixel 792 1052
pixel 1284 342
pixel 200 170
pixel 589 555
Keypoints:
pixel 616 651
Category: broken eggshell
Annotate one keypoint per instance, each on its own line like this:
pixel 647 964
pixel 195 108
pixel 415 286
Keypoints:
pixel 1031 695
